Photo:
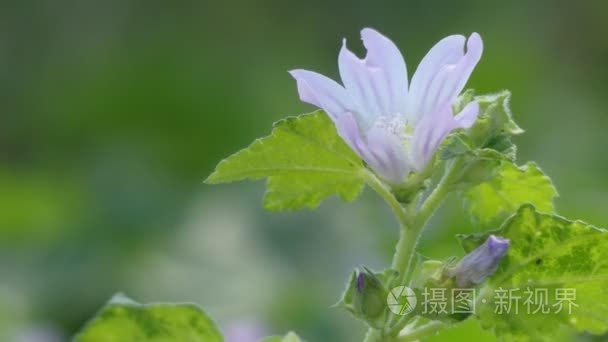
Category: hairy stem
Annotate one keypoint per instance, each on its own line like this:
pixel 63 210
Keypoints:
pixel 423 331
pixel 411 228
pixel 408 252
pixel 373 335
pixel 399 211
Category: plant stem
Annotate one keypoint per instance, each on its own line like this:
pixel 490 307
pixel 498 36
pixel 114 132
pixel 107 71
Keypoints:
pixel 423 331
pixel 411 228
pixel 406 248
pixel 404 220
pixel 373 335
pixel 405 251
pixel 373 181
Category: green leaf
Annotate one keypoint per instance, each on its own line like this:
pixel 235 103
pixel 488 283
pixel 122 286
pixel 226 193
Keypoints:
pixel 456 144
pixel 491 202
pixel 480 165
pixel 484 147
pixel 305 161
pixel 495 126
pixel 498 108
pixel 122 320
pixel 547 252
pixel 290 337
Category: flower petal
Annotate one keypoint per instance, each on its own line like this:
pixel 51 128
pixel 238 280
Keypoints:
pixel 390 158
pixel 378 83
pixel 432 129
pixel 451 79
pixel 363 85
pixel 380 149
pixel 429 134
pixel 467 116
pixel 349 131
pixel 384 54
pixel 447 51
pixel 322 92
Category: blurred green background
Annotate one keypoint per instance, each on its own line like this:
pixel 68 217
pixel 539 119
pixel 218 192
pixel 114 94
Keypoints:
pixel 114 112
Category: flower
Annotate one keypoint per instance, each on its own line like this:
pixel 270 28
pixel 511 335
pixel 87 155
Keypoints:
pixel 481 263
pixel 393 127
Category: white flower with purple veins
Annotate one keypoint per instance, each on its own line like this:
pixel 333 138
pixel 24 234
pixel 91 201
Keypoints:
pixel 395 127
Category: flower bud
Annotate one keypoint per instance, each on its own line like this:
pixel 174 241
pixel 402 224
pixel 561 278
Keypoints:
pixel 370 295
pixel 481 263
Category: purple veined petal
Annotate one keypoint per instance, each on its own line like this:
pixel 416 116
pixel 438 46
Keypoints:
pixel 433 128
pixel 364 85
pixel 348 129
pixel 384 54
pixel 378 83
pixel 380 149
pixel 451 78
pixel 322 92
pixel 481 263
pixel 390 158
pixel 447 51
pixel 497 246
pixel 428 135
pixel 467 116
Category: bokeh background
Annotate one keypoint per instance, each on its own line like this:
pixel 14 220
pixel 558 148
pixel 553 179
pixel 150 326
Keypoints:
pixel 114 112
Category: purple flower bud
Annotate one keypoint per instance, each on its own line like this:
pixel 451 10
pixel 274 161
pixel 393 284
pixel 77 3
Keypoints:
pixel 369 297
pixel 481 263
pixel 360 282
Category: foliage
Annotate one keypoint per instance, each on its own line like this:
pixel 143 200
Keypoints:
pixel 553 253
pixel 305 161
pixel 123 319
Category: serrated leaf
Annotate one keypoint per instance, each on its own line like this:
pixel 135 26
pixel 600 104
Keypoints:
pixel 480 165
pixel 456 144
pixel 548 252
pixel 495 126
pixel 491 202
pixel 498 107
pixel 305 161
pixel 123 319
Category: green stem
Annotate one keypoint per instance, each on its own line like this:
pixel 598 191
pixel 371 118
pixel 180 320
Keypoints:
pixel 401 251
pixel 433 201
pixel 410 232
pixel 373 335
pixel 387 195
pixel 423 331
pixel 405 254
pixel 406 250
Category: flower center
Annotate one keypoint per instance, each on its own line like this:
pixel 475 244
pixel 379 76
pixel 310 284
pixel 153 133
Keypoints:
pixel 397 126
